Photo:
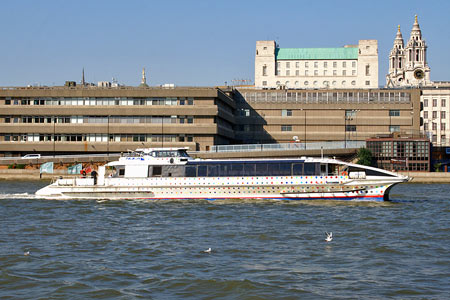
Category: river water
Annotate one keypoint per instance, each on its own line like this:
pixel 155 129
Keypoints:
pixel 259 249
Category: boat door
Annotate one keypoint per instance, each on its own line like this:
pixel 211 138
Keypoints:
pixel 323 169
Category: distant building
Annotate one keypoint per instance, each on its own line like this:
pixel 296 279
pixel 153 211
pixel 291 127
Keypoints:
pixel 408 65
pixel 100 119
pixel 401 152
pixel 352 66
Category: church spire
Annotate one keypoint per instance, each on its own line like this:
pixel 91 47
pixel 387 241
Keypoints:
pixel 143 80
pixel 415 31
pixel 399 38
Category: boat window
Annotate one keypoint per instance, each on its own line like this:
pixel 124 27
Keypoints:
pixel 310 169
pixel 285 169
pixel 213 170
pixel 224 169
pixel 121 172
pixel 249 169
pixel 157 171
pixel 202 171
pixel 237 169
pixel 191 171
pixel 261 170
pixel 323 170
pixel 297 169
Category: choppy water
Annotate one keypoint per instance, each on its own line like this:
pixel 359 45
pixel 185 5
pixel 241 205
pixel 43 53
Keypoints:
pixel 260 249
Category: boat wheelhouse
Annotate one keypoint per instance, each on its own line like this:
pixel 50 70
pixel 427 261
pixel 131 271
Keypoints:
pixel 169 173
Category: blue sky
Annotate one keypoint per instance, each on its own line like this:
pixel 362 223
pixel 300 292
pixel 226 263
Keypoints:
pixel 196 43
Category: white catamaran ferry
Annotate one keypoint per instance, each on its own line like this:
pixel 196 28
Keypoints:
pixel 169 173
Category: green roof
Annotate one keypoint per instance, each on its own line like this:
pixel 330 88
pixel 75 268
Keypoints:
pixel 316 53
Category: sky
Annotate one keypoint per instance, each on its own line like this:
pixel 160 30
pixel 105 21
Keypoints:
pixel 197 43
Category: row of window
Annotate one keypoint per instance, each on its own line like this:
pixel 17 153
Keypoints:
pixel 101 119
pixel 315 73
pixel 435 102
pixel 325 97
pixel 434 114
pixel 348 128
pixel 434 126
pixel 95 137
pixel 324 83
pixel 325 64
pixel 252 169
pixel 101 101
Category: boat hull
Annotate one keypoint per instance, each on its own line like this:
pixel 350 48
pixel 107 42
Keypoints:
pixel 270 188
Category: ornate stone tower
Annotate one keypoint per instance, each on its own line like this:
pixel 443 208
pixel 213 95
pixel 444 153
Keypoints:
pixel 408 65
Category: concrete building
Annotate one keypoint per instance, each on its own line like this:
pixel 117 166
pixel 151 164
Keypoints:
pixel 352 66
pixel 436 113
pixel 61 120
pixel 266 116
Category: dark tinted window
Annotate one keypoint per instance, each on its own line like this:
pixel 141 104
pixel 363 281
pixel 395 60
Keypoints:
pixel 249 170
pixel 213 170
pixel 237 170
pixel 191 171
pixel 310 169
pixel 201 171
pixel 261 169
pixel 297 169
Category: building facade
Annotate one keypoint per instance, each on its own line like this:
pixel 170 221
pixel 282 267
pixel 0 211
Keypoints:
pixel 267 116
pixel 94 119
pixel 352 66
pixel 436 114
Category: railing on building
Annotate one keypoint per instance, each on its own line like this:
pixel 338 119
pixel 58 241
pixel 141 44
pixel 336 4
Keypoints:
pixel 289 146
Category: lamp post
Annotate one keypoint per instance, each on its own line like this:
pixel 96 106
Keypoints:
pixel 107 139
pixel 54 137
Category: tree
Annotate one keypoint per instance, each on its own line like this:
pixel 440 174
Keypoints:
pixel 364 157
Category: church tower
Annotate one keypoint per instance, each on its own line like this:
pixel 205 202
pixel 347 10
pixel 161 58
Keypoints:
pixel 408 65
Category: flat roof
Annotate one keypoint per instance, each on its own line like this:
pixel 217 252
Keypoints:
pixel 316 53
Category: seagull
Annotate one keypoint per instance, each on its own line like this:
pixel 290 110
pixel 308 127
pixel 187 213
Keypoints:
pixel 329 237
pixel 26 253
pixel 207 250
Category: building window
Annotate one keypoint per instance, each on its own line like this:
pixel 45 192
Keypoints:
pixel 344 64
pixel 334 64
pixel 297 73
pixel 286 112
pixel 315 83
pixel 324 72
pixel 334 82
pixel 434 114
pixel 344 72
pixel 288 72
pixel 316 72
pixel 306 83
pixel 264 83
pixel 316 64
pixel 190 101
pixel 306 64
pixel 350 128
pixel 394 128
pixel 306 72
pixel 288 65
pixel 367 70
pixel 325 64
pixel 442 114
pixel 353 82
pixel 334 73
pixel 343 82
pixel 442 126
pixel 425 126
pixel 349 113
pixel 443 139
pixel 425 115
pixel 286 127
pixel 425 103
pixel 353 72
pixel 434 126
pixel 264 70
pixel 434 102
pixel 297 64
pixel 394 113
pixel 296 83
pixel 367 82
pixel 278 83
pixel 353 64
